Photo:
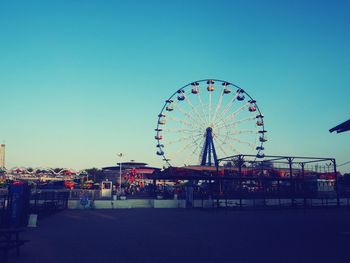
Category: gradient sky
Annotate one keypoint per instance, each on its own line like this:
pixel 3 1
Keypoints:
pixel 81 81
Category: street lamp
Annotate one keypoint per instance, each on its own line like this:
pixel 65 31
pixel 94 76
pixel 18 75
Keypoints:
pixel 120 172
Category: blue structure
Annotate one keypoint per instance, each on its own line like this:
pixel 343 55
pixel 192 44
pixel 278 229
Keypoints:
pixel 345 126
pixel 209 152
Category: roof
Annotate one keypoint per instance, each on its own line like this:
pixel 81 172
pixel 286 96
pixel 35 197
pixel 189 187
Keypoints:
pixel 185 172
pixel 345 126
pixel 133 163
pixel 124 167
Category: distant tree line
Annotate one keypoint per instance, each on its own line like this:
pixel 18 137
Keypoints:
pixel 95 174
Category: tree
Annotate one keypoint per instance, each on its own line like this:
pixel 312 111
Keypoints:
pixel 95 174
pixel 346 178
pixel 236 162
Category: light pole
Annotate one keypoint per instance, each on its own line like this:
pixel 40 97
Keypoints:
pixel 120 172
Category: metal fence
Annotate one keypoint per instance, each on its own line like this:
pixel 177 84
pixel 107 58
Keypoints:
pixel 76 194
pixel 44 202
pixel 15 207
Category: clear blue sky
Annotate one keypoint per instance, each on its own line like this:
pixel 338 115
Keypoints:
pixel 83 80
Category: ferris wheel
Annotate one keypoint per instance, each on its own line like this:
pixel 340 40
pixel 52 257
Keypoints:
pixel 206 120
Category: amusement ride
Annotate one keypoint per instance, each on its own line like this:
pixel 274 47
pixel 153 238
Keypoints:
pixel 206 120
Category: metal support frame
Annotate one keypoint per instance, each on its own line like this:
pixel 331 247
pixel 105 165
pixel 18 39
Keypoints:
pixel 304 159
pixel 336 180
pixel 246 168
pixel 289 185
pixel 303 184
pixel 209 151
pixel 292 184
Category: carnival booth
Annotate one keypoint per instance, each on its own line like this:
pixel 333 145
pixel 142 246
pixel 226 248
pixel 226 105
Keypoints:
pixel 106 189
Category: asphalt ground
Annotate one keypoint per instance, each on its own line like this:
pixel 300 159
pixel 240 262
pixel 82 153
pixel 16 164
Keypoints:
pixel 185 235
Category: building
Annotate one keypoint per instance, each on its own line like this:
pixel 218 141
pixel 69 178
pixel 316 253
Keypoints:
pixel 2 156
pixel 131 171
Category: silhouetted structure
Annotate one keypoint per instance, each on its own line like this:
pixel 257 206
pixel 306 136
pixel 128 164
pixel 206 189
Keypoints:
pixel 209 151
pixel 272 180
pixel 343 127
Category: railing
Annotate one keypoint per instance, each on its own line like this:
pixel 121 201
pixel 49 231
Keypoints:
pixel 97 195
pixel 46 201
pixel 91 194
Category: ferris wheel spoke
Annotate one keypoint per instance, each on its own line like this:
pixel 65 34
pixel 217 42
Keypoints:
pixel 179 153
pixel 195 110
pixel 200 138
pixel 235 113
pixel 244 142
pixel 229 104
pixel 218 106
pixel 236 122
pixel 187 146
pixel 224 142
pixel 197 133
pixel 203 109
pixel 195 142
pixel 238 132
pixel 257 135
pixel 199 144
pixel 199 148
pixel 182 139
pixel 220 147
pixel 256 139
pixel 188 115
pixel 182 130
pixel 223 135
pixel 182 122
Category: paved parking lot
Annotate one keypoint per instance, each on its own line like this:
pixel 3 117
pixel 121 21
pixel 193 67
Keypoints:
pixel 180 235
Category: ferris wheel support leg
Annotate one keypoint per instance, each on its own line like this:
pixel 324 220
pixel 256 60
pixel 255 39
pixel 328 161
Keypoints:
pixel 336 181
pixel 209 149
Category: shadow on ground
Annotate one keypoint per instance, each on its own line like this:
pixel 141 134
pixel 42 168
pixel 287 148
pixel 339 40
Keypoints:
pixel 179 235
